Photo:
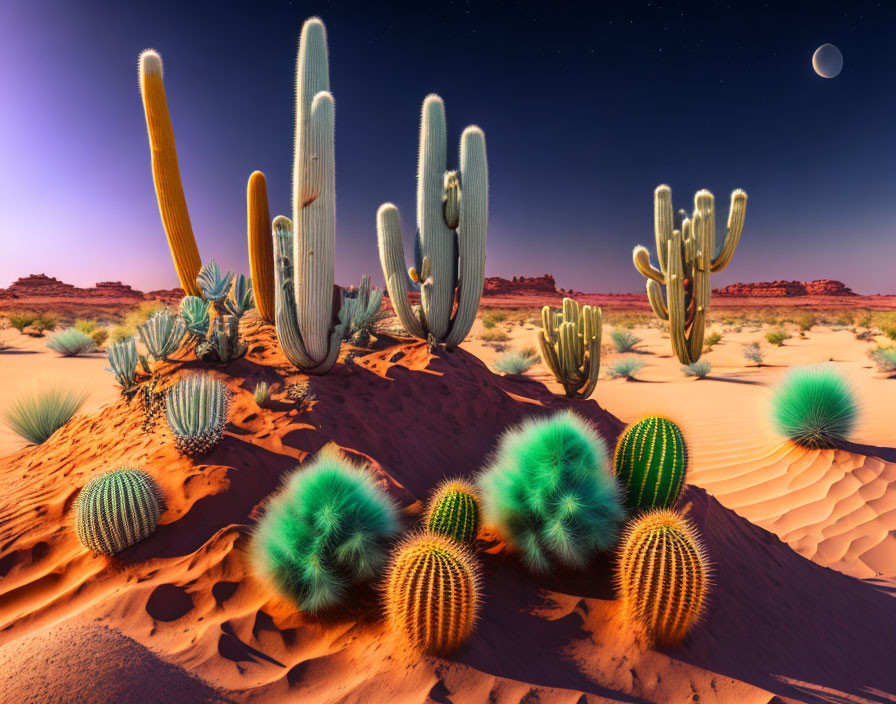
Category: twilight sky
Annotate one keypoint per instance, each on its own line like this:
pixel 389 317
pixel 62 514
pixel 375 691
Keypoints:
pixel 586 108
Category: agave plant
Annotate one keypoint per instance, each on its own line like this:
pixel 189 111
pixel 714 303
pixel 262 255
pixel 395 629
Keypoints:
pixel 162 334
pixel 196 410
pixel 123 362
pixel 241 299
pixel 223 343
pixel 213 285
pixel 362 310
pixel 195 313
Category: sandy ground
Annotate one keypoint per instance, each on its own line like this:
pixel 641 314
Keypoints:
pixel 779 628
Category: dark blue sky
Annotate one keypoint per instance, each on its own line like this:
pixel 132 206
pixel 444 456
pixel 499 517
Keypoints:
pixel 586 108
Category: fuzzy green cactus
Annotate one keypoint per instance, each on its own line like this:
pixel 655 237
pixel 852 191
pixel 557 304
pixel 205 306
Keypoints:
pixel 651 461
pixel 687 255
pixel 452 217
pixel 304 248
pixel 454 511
pixel 570 346
pixel 116 510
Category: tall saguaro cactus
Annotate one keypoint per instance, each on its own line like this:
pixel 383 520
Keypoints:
pixel 166 173
pixel 305 295
pixel 687 256
pixel 261 248
pixel 452 218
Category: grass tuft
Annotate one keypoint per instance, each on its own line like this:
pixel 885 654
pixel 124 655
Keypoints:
pixel 624 340
pixel 815 407
pixel 37 413
pixel 698 369
pixel 516 362
pixel 71 342
pixel 625 368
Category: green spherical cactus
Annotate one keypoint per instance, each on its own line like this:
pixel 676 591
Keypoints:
pixel 454 511
pixel 651 462
pixel 116 510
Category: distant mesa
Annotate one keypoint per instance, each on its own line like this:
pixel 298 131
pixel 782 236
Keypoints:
pixel 40 286
pixel 520 286
pixel 786 289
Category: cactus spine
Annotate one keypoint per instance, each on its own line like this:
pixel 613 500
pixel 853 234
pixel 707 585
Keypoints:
pixel 116 510
pixel 304 248
pixel 261 247
pixel 663 577
pixel 570 346
pixel 454 511
pixel 166 173
pixel 651 462
pixel 452 218
pixel 686 257
pixel 432 592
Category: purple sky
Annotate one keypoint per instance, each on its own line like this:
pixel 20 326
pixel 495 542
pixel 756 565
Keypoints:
pixel 584 116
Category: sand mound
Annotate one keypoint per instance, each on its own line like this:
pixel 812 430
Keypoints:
pixel 93 665
pixel 778 625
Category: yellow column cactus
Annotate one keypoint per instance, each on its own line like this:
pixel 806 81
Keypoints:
pixel 166 173
pixel 261 245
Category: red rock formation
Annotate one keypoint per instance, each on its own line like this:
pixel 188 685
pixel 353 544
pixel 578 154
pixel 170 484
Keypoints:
pixel 520 286
pixel 40 286
pixel 785 289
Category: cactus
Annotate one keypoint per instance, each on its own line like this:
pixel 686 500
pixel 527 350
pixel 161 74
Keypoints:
pixel 663 577
pixel 261 247
pixel 432 593
pixel 195 314
pixel 123 362
pixel 223 343
pixel 196 410
pixel 213 284
pixel 686 257
pixel 362 310
pixel 454 511
pixel 240 299
pixel 166 173
pixel 452 217
pixel 651 461
pixel 116 510
pixel 304 248
pixel 570 346
pixel 162 334
pixel 323 531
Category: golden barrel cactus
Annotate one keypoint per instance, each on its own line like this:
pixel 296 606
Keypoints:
pixel 166 174
pixel 432 592
pixel 261 245
pixel 663 576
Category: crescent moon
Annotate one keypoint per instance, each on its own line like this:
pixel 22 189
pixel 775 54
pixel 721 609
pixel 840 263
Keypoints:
pixel 827 61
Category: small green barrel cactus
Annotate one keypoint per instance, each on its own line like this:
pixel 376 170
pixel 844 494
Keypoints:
pixel 651 461
pixel 116 510
pixel 454 511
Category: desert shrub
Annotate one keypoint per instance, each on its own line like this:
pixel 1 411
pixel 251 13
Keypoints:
pixel 196 410
pixel 21 319
pixel 814 406
pixel 71 342
pixel 135 318
pixel 698 369
pixel 37 413
pixel 117 509
pixel 162 334
pixel 301 394
pixel 884 358
pixel 323 531
pixel 45 322
pixel 493 317
pixel 864 321
pixel 625 367
pixel 99 336
pixel 550 492
pixel 517 361
pixel 624 340
pixel 363 312
pixel 806 321
pixel 753 353
pixel 711 340
pixel 494 336
pixel 88 327
pixel 262 393
pixel 776 337
pixel 122 357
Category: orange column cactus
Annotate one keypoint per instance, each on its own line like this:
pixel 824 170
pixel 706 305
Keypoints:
pixel 166 174
pixel 261 245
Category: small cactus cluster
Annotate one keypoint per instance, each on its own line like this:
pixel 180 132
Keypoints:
pixel 432 592
pixel 162 335
pixel 362 311
pixel 570 346
pixel 454 511
pixel 663 577
pixel 651 462
pixel 196 410
pixel 116 510
pixel 123 359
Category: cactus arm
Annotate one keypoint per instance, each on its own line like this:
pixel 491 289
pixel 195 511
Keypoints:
pixel 736 215
pixel 641 259
pixel 166 173
pixel 261 250
pixel 592 333
pixel 471 232
pixel 388 230
pixel 288 333
pixel 437 239
pixel 655 296
pixel 676 298
pixel 663 222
